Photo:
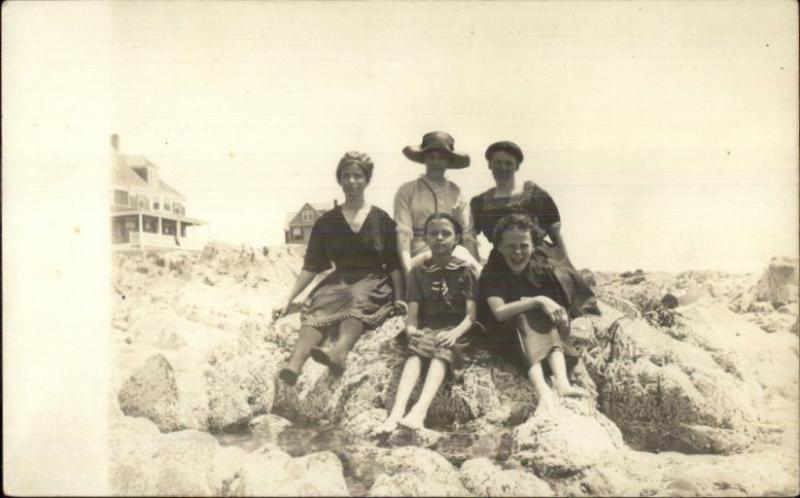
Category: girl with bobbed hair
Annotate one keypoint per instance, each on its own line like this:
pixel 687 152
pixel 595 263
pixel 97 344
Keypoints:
pixel 525 306
pixel 366 286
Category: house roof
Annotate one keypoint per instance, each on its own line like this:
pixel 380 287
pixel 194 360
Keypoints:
pixel 321 206
pixel 123 173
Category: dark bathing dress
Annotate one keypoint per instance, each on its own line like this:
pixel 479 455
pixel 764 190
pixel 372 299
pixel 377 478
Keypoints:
pixel 360 286
pixel 442 294
pixel 550 274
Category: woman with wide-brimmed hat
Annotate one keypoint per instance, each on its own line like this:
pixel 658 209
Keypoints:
pixel 366 286
pixel 432 193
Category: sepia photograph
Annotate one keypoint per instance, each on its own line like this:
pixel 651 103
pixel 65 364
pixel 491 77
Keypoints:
pixel 400 248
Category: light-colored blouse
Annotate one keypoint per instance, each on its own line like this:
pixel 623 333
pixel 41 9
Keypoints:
pixel 415 201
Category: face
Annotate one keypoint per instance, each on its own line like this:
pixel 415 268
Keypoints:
pixel 503 165
pixel 436 159
pixel 441 237
pixel 353 180
pixel 516 246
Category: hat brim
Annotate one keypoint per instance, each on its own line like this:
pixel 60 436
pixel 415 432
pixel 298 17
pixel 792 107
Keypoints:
pixel 456 160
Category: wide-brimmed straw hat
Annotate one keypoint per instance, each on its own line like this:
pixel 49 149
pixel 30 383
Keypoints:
pixel 441 141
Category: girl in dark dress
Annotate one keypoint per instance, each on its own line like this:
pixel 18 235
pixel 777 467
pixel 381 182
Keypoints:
pixel 532 201
pixel 524 309
pixel 366 285
pixel 441 302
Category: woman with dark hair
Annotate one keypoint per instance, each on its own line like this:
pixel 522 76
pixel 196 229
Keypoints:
pixel 508 197
pixel 367 284
pixel 525 305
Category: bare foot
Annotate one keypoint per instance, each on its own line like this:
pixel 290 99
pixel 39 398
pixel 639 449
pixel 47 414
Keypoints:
pixel 412 421
pixel 388 426
pixel 546 403
pixel 569 391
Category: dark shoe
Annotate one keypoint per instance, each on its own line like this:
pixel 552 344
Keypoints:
pixel 288 376
pixel 321 356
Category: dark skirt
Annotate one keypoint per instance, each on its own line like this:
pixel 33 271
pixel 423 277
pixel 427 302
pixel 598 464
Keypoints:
pixel 426 347
pixel 367 297
pixel 528 339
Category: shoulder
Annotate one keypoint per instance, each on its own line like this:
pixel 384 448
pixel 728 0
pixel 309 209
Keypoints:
pixel 329 217
pixel 535 190
pixel 453 187
pixel 478 199
pixel 377 213
pixel 407 188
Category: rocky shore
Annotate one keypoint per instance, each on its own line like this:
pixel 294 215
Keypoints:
pixel 694 382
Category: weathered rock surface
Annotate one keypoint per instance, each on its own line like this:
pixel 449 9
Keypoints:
pixel 570 438
pixel 483 478
pixel 669 394
pixel 269 471
pixel 146 462
pixel 152 393
pixel 778 284
pixel 196 349
pixel 402 471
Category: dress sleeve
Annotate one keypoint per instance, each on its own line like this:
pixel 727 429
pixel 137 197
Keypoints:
pixel 491 284
pixel 316 259
pixel 414 291
pixel 402 211
pixel 546 208
pixel 475 208
pixel 470 286
pixel 463 213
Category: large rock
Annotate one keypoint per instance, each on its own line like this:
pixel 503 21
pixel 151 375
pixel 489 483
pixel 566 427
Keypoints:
pixel 744 350
pixel 779 282
pixel 240 380
pixel 668 392
pixel 402 471
pixel 269 471
pixel 566 440
pixel 483 478
pixel 487 387
pixel 408 484
pixel 145 462
pixel 151 392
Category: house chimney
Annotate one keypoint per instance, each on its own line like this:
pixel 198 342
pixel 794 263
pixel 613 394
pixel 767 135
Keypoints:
pixel 115 142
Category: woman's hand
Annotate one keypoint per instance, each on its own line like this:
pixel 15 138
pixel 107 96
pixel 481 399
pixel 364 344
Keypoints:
pixel 279 313
pixel 447 338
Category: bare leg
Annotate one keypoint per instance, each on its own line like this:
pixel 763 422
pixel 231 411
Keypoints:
pixel 543 392
pixel 559 367
pixel 349 332
pixel 416 416
pixel 408 379
pixel 307 338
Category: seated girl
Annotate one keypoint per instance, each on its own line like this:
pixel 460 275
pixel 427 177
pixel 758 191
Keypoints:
pixel 441 310
pixel 525 307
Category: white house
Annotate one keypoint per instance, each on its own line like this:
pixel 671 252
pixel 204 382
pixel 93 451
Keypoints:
pixel 146 212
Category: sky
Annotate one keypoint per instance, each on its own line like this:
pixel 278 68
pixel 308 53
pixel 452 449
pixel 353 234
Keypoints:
pixel 666 132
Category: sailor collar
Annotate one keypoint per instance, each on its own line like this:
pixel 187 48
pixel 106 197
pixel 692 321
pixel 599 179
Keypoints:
pixel 454 264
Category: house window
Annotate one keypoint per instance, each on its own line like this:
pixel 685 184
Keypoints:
pixel 156 205
pixel 297 233
pixel 307 216
pixel 167 205
pixel 121 197
pixel 144 202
